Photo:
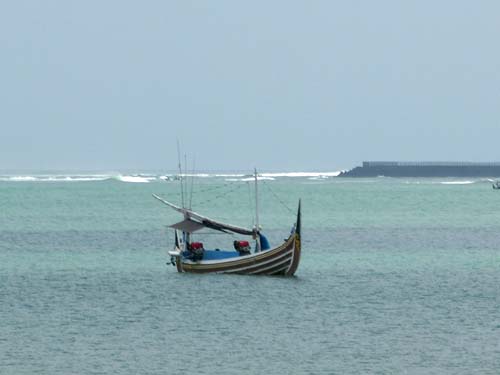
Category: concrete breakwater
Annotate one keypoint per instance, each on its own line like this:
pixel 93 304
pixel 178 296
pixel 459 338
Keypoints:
pixel 424 169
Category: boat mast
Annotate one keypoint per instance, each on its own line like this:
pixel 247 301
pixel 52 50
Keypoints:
pixel 192 183
pixel 257 238
pixel 256 200
pixel 185 235
pixel 180 173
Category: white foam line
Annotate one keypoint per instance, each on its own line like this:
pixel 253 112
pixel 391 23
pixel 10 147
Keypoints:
pixel 302 174
pixel 58 178
pixel 144 178
pixel 135 179
pixel 457 182
pixel 21 178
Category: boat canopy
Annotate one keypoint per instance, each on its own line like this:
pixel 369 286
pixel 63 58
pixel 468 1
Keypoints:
pixel 187 225
pixel 194 221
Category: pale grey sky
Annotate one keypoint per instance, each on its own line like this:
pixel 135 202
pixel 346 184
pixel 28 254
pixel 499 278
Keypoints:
pixel 281 85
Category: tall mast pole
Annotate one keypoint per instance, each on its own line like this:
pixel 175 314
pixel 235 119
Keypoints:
pixel 180 173
pixel 257 210
pixel 186 183
pixel 256 201
pixel 192 183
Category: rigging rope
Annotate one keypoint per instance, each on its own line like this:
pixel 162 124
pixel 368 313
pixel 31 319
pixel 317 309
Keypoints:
pixel 236 187
pixel 212 188
pixel 277 197
pixel 206 190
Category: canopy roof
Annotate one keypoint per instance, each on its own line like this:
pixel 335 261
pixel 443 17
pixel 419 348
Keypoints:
pixel 194 221
pixel 187 225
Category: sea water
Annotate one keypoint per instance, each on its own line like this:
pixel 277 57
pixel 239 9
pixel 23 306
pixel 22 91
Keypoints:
pixel 397 276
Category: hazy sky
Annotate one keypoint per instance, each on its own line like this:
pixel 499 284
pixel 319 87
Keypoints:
pixel 280 85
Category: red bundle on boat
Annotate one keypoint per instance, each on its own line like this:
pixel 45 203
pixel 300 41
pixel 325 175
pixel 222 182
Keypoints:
pixel 196 245
pixel 242 243
pixel 242 247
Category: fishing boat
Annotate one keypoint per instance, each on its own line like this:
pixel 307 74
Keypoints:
pixel 496 184
pixel 252 255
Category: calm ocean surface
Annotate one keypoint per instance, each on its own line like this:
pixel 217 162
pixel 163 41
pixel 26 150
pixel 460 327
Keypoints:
pixel 398 276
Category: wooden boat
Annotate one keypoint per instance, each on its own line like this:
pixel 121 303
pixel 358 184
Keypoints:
pixel 191 256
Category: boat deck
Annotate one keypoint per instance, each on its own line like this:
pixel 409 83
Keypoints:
pixel 217 254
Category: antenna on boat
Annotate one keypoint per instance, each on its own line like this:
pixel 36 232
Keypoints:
pixel 180 172
pixel 192 183
pixel 186 184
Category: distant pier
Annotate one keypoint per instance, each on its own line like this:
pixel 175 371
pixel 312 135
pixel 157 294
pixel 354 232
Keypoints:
pixel 424 169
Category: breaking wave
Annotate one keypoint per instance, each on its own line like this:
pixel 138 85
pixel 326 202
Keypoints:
pixel 19 178
pixel 135 179
pixel 161 177
pixel 77 178
pixel 54 178
pixel 457 182
pixel 252 178
pixel 302 174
